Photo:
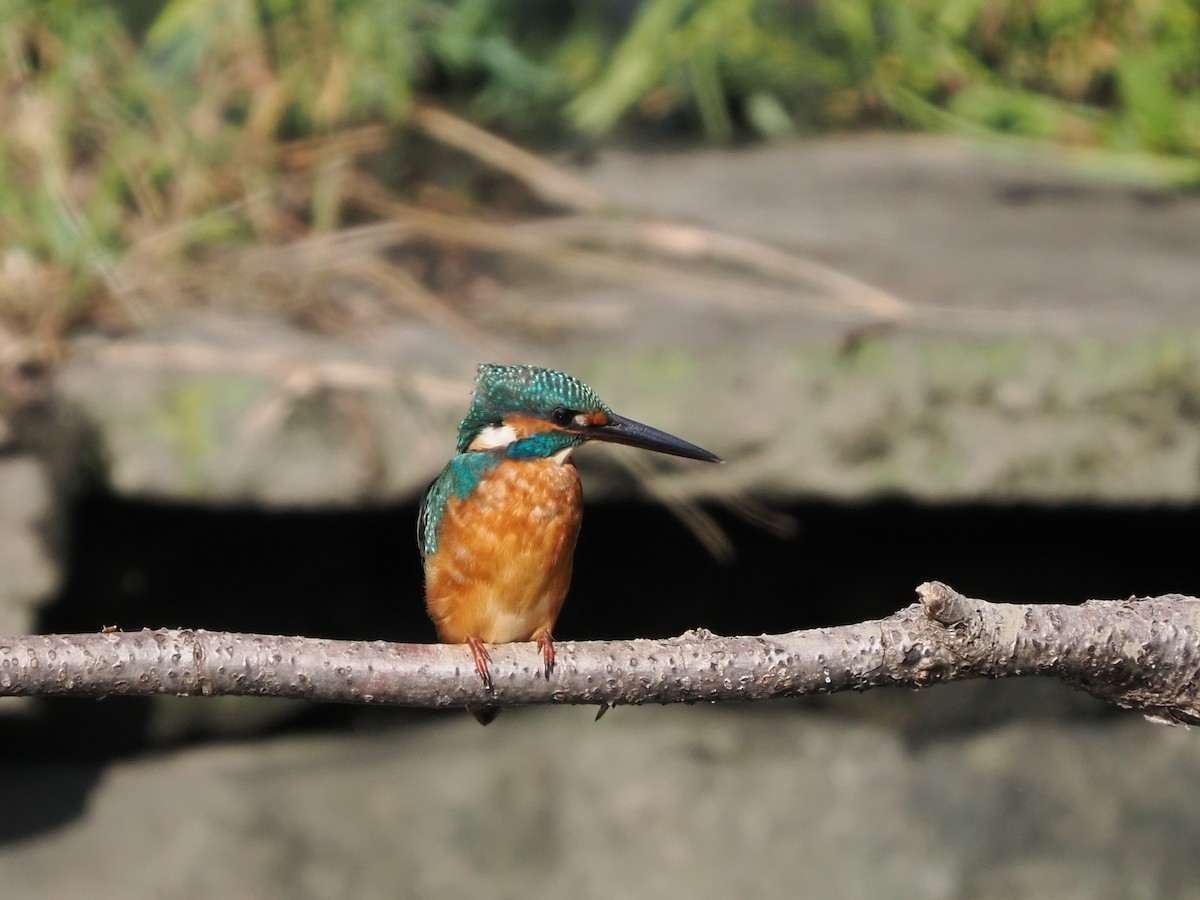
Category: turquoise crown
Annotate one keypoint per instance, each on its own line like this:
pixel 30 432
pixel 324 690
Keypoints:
pixel 502 390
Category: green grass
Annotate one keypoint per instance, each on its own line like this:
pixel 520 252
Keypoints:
pixel 192 124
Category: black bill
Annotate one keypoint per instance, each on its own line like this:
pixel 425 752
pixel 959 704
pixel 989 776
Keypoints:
pixel 626 431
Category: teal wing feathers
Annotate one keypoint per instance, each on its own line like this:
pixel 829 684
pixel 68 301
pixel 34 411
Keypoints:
pixel 457 480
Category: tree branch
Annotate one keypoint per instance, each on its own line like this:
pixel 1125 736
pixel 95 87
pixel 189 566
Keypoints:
pixel 1137 653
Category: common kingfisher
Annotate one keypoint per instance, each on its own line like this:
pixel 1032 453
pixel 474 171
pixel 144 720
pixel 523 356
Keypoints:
pixel 497 529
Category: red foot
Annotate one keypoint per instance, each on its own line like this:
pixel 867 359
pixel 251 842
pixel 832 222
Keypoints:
pixel 482 658
pixel 546 643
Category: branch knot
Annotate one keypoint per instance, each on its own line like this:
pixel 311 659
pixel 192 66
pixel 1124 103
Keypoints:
pixel 943 604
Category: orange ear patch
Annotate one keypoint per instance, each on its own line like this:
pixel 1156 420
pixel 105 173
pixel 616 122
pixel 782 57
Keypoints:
pixel 524 426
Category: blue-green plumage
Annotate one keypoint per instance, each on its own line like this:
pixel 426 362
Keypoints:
pixel 528 390
pixel 542 445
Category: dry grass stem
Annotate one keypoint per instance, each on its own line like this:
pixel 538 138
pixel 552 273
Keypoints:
pixel 552 184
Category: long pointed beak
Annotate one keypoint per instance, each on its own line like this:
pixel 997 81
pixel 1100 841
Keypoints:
pixel 626 431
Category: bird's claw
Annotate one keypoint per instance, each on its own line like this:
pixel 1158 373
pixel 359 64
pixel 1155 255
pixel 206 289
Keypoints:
pixel 546 643
pixel 482 658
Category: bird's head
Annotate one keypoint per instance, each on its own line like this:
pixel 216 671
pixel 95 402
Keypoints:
pixel 541 413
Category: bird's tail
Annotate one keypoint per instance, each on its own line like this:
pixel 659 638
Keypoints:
pixel 483 713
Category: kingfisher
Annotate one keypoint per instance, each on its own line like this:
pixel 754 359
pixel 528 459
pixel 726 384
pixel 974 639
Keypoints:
pixel 497 529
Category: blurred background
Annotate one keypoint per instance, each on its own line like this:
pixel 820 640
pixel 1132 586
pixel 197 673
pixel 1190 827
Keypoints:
pixel 925 274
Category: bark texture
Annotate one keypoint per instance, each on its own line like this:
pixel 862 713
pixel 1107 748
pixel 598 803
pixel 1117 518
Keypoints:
pixel 1141 653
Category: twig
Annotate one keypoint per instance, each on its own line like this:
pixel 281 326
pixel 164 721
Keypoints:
pixel 204 358
pixel 1138 653
pixel 690 243
pixel 684 507
pixel 551 183
pixel 719 288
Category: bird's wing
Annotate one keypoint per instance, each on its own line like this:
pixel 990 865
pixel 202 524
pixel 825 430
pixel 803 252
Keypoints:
pixel 458 479
pixel 423 522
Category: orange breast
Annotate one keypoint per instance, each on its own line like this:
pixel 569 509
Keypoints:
pixel 503 560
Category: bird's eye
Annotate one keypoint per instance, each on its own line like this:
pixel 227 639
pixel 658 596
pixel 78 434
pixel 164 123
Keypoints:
pixel 561 416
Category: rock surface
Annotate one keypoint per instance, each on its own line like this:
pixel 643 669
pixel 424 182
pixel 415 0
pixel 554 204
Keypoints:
pixel 1050 348
pixel 30 524
pixel 701 802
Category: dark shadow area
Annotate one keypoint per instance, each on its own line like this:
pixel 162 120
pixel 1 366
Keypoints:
pixel 40 798
pixel 638 573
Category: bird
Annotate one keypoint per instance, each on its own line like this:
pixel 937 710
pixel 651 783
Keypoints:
pixel 497 528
